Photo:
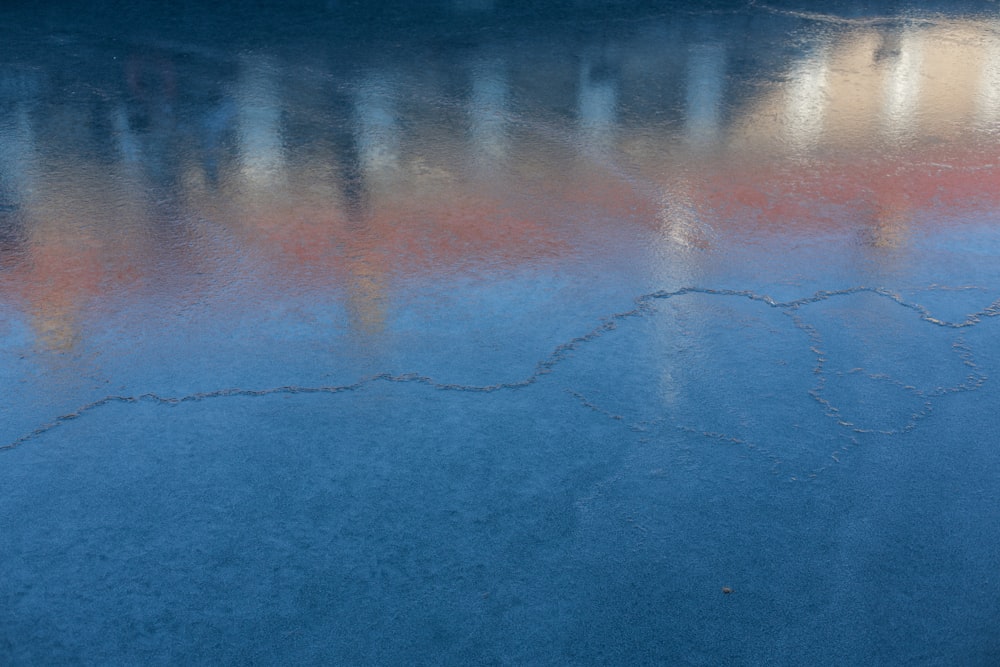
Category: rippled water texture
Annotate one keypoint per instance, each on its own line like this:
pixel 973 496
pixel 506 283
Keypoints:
pixel 488 332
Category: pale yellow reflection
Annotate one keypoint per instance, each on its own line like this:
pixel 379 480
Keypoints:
pixel 652 132
pixel 870 86
pixel 903 82
pixel 65 266
pixel 846 97
pixel 988 88
pixel 806 100
pixel 952 58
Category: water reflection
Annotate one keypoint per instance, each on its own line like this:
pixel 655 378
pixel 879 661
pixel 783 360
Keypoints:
pixel 987 98
pixel 596 107
pixel 903 79
pixel 377 130
pixel 354 165
pixel 705 87
pixel 259 125
pixel 384 330
pixel 488 112
pixel 806 94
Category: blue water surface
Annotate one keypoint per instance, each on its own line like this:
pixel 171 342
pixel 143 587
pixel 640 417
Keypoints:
pixel 490 332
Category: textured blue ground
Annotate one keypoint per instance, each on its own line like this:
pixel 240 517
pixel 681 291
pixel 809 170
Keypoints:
pixel 487 334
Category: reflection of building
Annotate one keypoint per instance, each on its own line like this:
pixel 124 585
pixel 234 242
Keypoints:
pixel 58 268
pixel 988 85
pixel 488 111
pixel 377 129
pixel 892 112
pixel 259 105
pixel 596 110
pixel 870 86
pixel 804 113
pixel 63 266
pixel 348 171
pixel 705 94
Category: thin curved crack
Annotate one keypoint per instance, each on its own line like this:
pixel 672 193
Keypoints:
pixel 643 307
pixel 973 380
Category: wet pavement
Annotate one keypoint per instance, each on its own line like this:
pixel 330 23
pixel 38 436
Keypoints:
pixel 485 332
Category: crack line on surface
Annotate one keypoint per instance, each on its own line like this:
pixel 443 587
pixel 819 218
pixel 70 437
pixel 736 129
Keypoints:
pixel 562 351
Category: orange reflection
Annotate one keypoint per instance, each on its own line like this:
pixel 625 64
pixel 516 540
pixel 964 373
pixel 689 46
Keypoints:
pixel 867 129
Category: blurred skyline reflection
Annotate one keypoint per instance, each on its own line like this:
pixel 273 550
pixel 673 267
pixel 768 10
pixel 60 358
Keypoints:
pixel 498 332
pixel 362 165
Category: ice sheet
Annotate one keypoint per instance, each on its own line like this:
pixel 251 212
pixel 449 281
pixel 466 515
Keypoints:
pixel 499 333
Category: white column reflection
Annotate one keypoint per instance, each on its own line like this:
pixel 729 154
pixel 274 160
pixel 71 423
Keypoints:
pixel 377 128
pixel 683 235
pixel 902 86
pixel 17 158
pixel 807 101
pixel 378 138
pixel 125 139
pixel 488 112
pixel 258 123
pixel 988 95
pixel 681 227
pixel 19 91
pixel 596 109
pixel 705 88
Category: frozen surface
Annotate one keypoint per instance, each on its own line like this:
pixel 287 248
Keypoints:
pixel 488 332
